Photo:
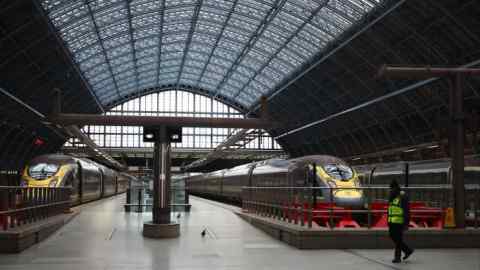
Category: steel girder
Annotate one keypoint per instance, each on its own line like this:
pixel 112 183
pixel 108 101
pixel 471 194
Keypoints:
pixel 348 73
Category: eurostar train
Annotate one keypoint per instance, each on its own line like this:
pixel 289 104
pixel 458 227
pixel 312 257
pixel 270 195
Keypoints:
pixel 421 173
pixel 318 171
pixel 427 173
pixel 89 180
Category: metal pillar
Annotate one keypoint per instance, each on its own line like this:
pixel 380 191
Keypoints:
pixel 456 141
pixel 161 184
pixel 161 225
pixel 456 134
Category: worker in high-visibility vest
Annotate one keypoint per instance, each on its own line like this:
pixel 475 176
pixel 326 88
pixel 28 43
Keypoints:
pixel 398 220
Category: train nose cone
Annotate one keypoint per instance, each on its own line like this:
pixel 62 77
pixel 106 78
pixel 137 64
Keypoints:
pixel 350 202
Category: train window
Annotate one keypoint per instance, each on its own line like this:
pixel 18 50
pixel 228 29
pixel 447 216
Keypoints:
pixel 471 177
pixel 427 179
pixel 386 179
pixel 338 171
pixel 42 171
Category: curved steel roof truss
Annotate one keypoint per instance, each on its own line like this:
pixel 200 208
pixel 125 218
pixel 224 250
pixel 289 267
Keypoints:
pixel 236 49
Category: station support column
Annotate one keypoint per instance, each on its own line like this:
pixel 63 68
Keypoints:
pixel 161 225
pixel 456 142
pixel 161 184
pixel 456 135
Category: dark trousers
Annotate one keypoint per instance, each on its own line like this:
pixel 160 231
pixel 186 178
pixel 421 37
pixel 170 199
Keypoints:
pixel 396 233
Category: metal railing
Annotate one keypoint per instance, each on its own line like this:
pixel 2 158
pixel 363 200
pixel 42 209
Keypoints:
pixel 309 206
pixel 24 205
pixel 10 178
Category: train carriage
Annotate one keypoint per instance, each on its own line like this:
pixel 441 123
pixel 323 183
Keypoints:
pixel 427 173
pixel 89 180
pixel 421 173
pixel 317 171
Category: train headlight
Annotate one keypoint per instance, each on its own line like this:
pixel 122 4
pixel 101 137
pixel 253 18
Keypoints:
pixel 52 183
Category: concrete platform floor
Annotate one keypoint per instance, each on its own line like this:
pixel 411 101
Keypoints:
pixel 104 237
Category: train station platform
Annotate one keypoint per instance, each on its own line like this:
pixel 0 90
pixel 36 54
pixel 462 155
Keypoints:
pixel 103 236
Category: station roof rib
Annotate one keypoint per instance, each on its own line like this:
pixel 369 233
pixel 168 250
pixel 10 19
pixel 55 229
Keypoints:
pixel 238 50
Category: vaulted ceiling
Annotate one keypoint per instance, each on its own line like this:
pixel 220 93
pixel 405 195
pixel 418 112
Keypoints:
pixel 313 60
pixel 237 50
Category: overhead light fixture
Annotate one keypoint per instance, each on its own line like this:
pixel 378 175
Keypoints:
pixel 150 134
pixel 433 146
pixel 174 134
pixel 410 150
pixel 357 158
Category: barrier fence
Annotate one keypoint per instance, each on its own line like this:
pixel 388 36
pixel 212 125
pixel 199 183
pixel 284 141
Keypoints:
pixel 312 206
pixel 23 205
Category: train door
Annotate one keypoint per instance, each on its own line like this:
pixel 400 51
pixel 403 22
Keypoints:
pixel 371 175
pixel 309 179
pixel 250 175
pixel 80 181
pixel 116 184
pixel 221 182
pixel 312 180
pixel 250 180
pixel 311 175
pixel 450 176
pixel 102 183
pixel 73 184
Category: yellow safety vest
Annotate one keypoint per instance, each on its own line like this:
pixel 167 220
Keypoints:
pixel 395 211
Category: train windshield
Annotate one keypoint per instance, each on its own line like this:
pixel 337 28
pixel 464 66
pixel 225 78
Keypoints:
pixel 338 171
pixel 42 171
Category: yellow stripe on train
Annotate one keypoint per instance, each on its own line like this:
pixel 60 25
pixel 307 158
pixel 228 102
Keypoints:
pixel 31 182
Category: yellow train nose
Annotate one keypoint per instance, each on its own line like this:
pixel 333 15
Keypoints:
pixel 348 193
pixel 39 183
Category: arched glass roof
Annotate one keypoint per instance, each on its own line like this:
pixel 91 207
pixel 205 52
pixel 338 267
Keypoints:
pixel 238 49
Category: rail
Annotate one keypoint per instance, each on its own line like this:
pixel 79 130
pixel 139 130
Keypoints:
pixel 24 205
pixel 318 206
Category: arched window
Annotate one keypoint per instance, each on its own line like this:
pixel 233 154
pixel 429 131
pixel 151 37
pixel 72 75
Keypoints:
pixel 172 103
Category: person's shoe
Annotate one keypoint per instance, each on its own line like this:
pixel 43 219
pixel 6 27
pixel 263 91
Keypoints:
pixel 408 254
pixel 396 261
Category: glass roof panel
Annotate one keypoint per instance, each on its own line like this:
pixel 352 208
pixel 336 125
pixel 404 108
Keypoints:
pixel 240 49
